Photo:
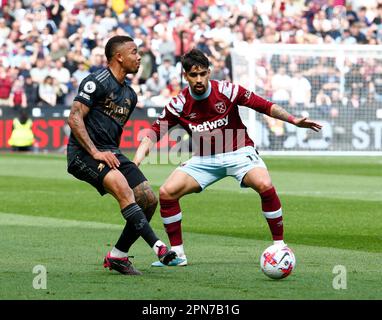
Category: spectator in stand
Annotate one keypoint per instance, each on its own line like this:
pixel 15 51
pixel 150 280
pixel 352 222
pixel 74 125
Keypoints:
pixel 108 21
pixel 31 92
pixel 202 45
pixel 353 110
pixel 154 84
pixel 136 86
pixel 162 99
pixel 72 91
pixel 219 71
pixel 323 103
pixel 70 63
pixel 378 15
pixel 336 100
pixel 125 23
pixel 47 92
pixel 355 79
pixel 301 90
pixel 375 85
pixel 174 86
pixel 281 87
pixel 167 71
pixel 330 79
pixel 362 16
pixel 73 25
pixel 276 132
pixel 6 83
pixel 148 65
pixel 81 73
pixel 4 31
pixel 40 71
pixel 357 34
pixel 55 11
pixel 18 97
pixel 166 46
pixel 62 75
pixel 97 63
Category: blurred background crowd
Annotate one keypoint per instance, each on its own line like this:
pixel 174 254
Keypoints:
pixel 48 46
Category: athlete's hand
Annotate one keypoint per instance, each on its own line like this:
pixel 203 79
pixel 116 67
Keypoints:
pixel 306 123
pixel 108 157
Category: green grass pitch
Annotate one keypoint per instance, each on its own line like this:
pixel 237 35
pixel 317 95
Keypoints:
pixel 332 216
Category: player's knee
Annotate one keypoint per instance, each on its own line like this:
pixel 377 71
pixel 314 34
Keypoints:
pixel 124 193
pixel 264 186
pixel 165 193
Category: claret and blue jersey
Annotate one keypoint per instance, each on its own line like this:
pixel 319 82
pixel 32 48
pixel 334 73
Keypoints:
pixel 216 112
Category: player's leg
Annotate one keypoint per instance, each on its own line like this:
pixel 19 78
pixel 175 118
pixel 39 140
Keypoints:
pixel 258 178
pixel 246 166
pixel 193 176
pixel 144 197
pixel 176 186
pixel 147 201
pixel 105 180
pixel 136 223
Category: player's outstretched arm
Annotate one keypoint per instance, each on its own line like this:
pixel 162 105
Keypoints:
pixel 279 112
pixel 143 150
pixel 77 125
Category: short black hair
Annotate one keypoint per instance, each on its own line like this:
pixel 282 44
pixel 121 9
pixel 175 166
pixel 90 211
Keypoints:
pixel 195 57
pixel 113 43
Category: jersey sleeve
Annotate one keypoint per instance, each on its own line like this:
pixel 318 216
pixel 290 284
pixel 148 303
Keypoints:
pixel 251 100
pixel 167 119
pixel 89 91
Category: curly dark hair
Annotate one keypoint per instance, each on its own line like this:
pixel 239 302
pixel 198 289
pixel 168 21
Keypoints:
pixel 194 57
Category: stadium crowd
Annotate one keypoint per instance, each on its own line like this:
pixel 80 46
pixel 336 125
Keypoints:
pixel 48 46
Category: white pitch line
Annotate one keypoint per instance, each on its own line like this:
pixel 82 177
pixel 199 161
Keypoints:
pixel 10 219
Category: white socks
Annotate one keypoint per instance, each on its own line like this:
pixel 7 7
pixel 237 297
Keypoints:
pixel 279 243
pixel 118 253
pixel 179 250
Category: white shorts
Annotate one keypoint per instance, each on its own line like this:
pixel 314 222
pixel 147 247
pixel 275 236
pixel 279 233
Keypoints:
pixel 209 169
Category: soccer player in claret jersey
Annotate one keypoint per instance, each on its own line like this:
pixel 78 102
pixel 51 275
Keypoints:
pixel 208 111
pixel 99 112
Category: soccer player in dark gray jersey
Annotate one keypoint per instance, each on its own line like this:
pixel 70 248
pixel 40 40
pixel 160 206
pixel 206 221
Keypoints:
pixel 111 103
pixel 100 110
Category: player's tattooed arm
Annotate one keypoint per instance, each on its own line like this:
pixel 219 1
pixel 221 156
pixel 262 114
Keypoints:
pixel 77 125
pixel 146 199
pixel 280 113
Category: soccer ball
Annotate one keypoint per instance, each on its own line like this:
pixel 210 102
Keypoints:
pixel 277 262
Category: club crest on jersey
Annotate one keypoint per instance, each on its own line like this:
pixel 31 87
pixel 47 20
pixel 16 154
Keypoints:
pixel 89 87
pixel 220 107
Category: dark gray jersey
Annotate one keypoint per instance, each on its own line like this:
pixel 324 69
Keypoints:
pixel 111 104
